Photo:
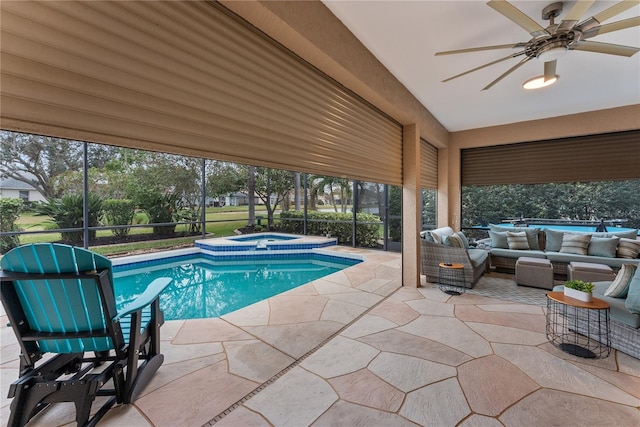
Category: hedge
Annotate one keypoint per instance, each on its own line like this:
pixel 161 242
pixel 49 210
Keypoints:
pixel 322 223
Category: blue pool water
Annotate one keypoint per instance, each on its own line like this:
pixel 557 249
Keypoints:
pixel 204 288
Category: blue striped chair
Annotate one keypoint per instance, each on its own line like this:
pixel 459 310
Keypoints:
pixel 60 299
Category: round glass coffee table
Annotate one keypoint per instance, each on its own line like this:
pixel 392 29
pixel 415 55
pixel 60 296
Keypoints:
pixel 451 278
pixel 577 327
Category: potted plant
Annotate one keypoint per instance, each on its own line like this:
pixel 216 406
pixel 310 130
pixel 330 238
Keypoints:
pixel 579 290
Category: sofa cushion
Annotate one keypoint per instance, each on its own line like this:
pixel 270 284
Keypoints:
pixel 631 234
pixel 531 232
pixel 628 248
pixel 603 246
pixel 620 285
pixel 498 239
pixel 510 253
pixel 567 258
pixel 465 241
pixel 632 303
pixel 426 235
pixel 477 256
pixel 575 243
pixel 517 240
pixel 439 234
pixel 553 240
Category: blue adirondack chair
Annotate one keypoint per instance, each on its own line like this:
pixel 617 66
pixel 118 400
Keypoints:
pixel 60 299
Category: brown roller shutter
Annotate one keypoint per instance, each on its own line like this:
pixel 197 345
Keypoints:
pixel 428 165
pixel 186 78
pixel 603 157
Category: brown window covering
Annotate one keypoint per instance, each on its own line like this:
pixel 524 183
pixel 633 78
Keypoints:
pixel 602 157
pixel 428 165
pixel 186 78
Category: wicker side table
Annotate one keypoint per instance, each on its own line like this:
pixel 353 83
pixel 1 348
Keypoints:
pixel 577 327
pixel 451 279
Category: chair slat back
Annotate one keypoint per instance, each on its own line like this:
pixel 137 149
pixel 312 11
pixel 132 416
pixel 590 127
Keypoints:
pixel 69 305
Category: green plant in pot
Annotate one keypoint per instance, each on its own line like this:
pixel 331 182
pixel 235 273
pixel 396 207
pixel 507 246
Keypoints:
pixel 579 285
pixel 578 289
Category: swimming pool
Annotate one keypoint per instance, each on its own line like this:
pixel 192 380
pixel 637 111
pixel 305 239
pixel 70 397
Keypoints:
pixel 205 287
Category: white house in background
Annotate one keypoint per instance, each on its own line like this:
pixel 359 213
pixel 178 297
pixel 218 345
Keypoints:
pixel 12 188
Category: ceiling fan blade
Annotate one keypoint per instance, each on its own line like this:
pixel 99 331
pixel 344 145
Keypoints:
pixel 478 49
pixel 517 16
pixel 614 26
pixel 482 66
pixel 509 71
pixel 550 70
pixel 574 15
pixel 608 48
pixel 614 10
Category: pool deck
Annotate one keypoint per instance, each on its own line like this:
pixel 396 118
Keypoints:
pixel 356 348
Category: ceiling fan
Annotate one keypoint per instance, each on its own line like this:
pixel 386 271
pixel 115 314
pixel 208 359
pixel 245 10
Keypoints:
pixel 549 44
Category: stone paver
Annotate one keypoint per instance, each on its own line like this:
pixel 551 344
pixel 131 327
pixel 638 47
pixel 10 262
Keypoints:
pixel 449 331
pixel 440 404
pixel 491 384
pixel 296 399
pixel 255 360
pixel 365 388
pixel 340 356
pixel 408 373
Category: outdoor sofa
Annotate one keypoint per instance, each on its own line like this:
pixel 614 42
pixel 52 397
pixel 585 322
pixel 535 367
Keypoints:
pixel 612 248
pixel 445 245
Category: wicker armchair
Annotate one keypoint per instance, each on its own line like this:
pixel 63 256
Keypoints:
pixel 431 254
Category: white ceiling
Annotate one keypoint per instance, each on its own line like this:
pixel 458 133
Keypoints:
pixel 404 36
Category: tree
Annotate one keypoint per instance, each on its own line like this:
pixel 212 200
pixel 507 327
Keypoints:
pixel 333 186
pixel 269 182
pixel 37 160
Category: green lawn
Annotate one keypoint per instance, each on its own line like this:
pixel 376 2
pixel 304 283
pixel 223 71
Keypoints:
pixel 227 219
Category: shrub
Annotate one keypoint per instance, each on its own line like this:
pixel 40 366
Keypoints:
pixel 10 209
pixel 67 212
pixel 160 208
pixel 119 212
pixel 395 213
pixel 336 224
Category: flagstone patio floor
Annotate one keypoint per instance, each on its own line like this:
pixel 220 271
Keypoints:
pixel 357 348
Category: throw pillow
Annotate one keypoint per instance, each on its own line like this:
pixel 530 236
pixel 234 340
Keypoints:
pixel 575 244
pixel 499 239
pixel 620 285
pixel 603 246
pixel 632 303
pixel 553 240
pixel 454 241
pixel 518 241
pixel 628 248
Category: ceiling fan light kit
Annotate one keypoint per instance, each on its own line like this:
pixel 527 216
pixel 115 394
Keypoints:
pixel 556 40
pixel 539 82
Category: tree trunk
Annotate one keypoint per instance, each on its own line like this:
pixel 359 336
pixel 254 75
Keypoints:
pixel 251 184
pixel 296 189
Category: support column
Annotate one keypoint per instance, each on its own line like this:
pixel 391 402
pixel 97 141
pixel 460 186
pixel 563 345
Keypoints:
pixel 411 206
